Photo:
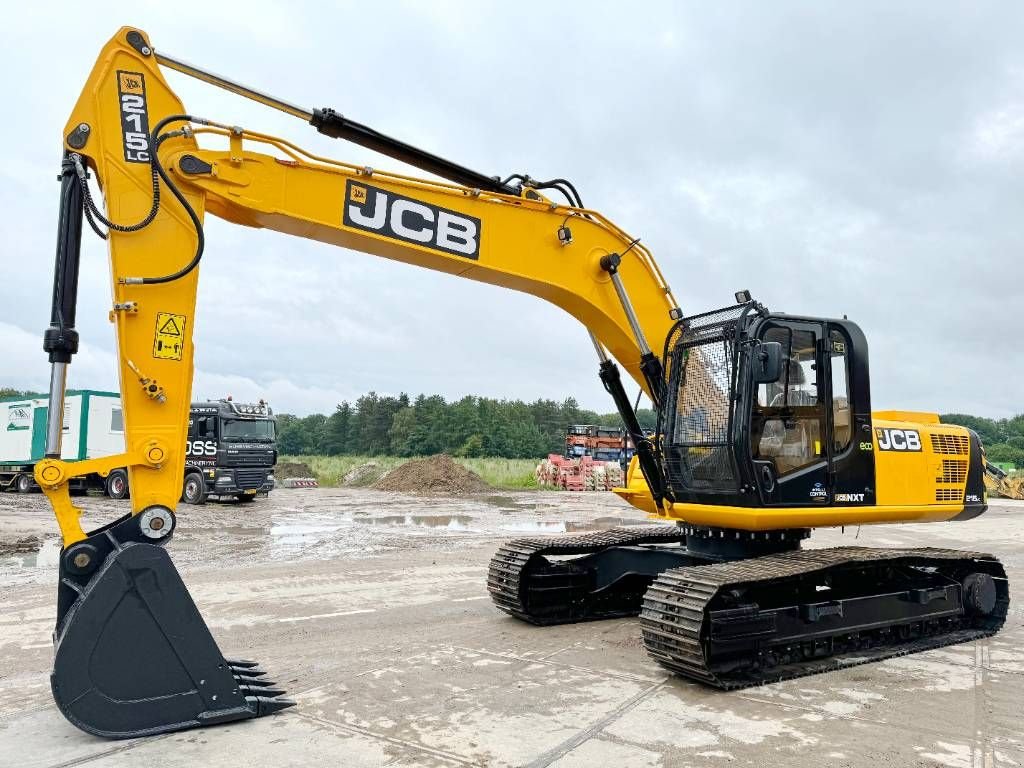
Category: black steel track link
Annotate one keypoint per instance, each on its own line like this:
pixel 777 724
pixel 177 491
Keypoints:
pixel 517 566
pixel 675 616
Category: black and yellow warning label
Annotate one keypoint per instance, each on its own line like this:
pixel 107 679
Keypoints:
pixel 169 338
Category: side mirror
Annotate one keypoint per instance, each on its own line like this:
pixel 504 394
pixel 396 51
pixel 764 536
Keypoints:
pixel 766 362
pixel 210 426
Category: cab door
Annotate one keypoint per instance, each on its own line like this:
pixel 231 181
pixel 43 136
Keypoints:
pixel 848 411
pixel 790 419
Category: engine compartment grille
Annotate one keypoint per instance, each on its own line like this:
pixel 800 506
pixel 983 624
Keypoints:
pixel 953 471
pixel 950 444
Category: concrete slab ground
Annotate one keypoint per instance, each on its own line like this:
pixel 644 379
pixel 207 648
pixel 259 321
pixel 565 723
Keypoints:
pixel 371 609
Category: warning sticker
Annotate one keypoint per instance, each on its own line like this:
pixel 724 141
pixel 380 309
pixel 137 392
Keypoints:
pixel 169 338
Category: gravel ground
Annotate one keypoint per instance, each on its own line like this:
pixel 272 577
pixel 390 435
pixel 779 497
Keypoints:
pixel 370 607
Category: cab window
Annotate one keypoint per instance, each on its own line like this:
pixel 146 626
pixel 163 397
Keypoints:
pixel 786 424
pixel 840 372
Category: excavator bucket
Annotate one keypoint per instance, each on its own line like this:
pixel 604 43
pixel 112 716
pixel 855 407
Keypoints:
pixel 133 655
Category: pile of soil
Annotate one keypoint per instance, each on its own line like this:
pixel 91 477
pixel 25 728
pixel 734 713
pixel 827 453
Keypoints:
pixel 434 474
pixel 287 469
pixel 363 475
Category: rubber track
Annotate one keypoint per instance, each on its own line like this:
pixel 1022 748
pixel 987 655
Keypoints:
pixel 675 609
pixel 509 570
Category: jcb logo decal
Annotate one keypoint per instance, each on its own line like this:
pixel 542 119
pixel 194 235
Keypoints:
pixel 898 439
pixel 131 87
pixel 411 221
pixel 130 82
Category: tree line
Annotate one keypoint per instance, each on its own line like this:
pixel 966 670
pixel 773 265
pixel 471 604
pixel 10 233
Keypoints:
pixel 1003 438
pixel 481 426
pixel 471 426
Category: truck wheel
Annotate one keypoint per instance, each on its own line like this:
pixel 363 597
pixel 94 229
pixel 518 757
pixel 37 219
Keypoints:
pixel 194 489
pixel 24 483
pixel 117 484
pixel 244 498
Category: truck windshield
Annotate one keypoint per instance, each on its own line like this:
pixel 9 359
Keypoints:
pixel 248 429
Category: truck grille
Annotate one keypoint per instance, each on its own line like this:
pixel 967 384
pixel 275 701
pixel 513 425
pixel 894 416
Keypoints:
pixel 247 479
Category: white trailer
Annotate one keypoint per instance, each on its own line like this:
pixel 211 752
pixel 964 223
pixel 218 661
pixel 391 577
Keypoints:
pixel 93 427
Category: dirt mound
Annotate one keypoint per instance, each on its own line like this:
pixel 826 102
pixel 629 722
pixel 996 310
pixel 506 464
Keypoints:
pixel 287 469
pixel 434 474
pixel 363 475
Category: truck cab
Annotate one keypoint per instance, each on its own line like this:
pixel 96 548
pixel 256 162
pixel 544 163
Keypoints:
pixel 231 450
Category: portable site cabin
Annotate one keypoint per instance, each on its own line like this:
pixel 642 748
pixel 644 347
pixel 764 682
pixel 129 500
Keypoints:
pixel 93 427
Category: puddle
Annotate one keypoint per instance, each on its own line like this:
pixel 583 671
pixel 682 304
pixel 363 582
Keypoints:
pixel 543 526
pixel 566 526
pixel 449 522
pixel 305 531
pixel 310 531
pixel 47 556
pixel 505 504
pixel 298 533
pixel 615 522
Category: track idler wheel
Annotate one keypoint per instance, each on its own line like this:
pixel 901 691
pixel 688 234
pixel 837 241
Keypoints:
pixel 133 656
pixel 979 594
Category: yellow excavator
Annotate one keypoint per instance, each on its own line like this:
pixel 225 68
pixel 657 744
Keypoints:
pixel 1001 483
pixel 765 423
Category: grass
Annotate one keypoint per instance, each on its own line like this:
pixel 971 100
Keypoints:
pixel 501 473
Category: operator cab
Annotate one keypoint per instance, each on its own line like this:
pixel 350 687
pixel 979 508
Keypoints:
pixel 766 409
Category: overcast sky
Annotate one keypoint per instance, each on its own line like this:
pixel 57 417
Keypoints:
pixel 864 159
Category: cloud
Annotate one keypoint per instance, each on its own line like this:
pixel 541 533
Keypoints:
pixel 861 159
pixel 95 368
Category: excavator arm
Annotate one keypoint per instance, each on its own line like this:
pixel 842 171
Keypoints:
pixel 131 135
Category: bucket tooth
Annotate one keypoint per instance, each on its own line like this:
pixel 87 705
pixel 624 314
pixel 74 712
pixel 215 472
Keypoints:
pixel 255 682
pixel 265 706
pixel 242 663
pixel 267 693
pixel 247 671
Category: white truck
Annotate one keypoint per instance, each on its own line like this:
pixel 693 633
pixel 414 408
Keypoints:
pixel 93 427
pixel 231 449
